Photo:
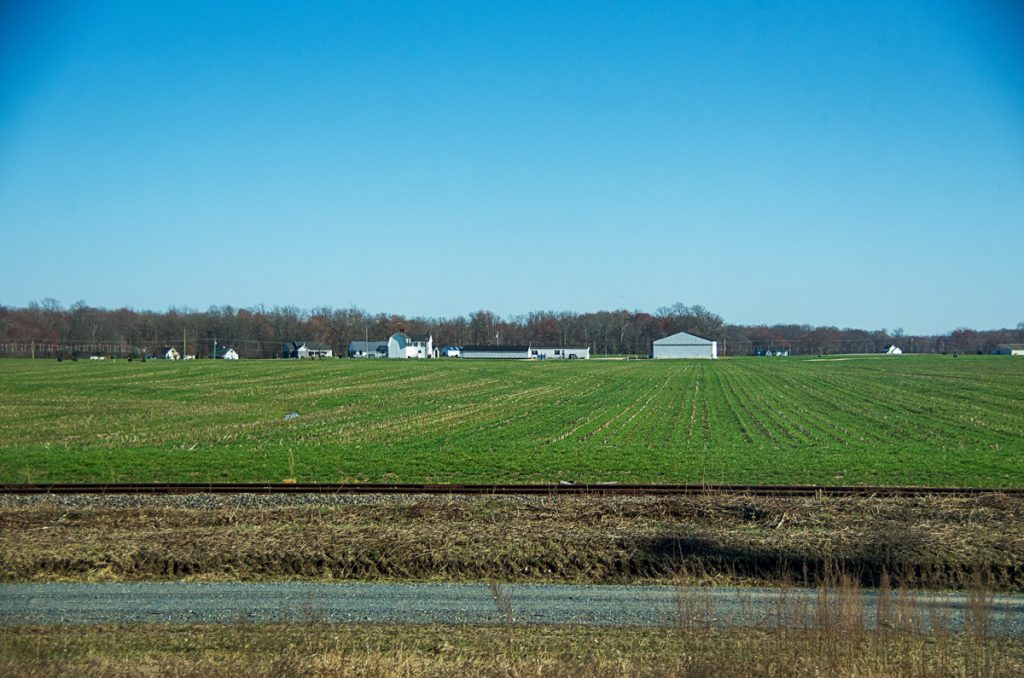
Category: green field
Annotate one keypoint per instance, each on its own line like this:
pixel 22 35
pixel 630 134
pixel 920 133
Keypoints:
pixel 924 420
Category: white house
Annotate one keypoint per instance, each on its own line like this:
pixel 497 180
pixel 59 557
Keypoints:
pixel 894 350
pixel 685 345
pixel 163 353
pixel 307 349
pixel 402 345
pixel 225 353
pixel 560 352
pixel 496 352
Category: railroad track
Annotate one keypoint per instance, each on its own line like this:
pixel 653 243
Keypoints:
pixel 498 489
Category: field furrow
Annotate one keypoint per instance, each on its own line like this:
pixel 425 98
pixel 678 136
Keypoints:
pixel 913 420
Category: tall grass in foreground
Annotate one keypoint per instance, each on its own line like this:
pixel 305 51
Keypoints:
pixel 831 632
pixel 836 630
pixel 321 649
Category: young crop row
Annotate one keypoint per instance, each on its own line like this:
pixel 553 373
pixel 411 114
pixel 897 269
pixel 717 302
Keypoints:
pixel 917 420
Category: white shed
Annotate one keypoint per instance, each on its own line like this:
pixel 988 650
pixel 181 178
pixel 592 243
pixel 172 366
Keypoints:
pixel 685 345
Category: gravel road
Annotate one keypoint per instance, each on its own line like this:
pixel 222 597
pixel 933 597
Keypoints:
pixel 461 603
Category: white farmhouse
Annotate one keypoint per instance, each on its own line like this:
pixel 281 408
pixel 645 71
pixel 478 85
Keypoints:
pixel 402 345
pixel 163 353
pixel 685 345
pixel 307 349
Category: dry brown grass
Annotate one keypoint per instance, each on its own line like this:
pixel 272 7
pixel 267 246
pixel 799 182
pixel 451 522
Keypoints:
pixel 321 649
pixel 938 542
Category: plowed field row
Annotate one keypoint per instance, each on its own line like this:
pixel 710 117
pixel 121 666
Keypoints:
pixel 911 420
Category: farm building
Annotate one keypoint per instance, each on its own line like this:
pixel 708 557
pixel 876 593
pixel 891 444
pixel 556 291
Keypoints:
pixel 307 349
pixel 685 345
pixel 368 349
pixel 776 351
pixel 498 352
pixel 451 351
pixel 225 353
pixel 163 353
pixel 893 350
pixel 560 352
pixel 1009 349
pixel 402 345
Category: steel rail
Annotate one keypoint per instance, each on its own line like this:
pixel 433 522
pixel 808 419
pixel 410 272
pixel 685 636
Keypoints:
pixel 496 489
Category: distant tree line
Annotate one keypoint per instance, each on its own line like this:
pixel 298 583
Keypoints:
pixel 260 332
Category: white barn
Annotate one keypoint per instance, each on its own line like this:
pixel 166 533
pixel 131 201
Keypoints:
pixel 685 345
pixel 560 352
pixel 402 345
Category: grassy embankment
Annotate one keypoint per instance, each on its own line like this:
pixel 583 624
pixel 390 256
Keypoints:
pixel 907 542
pixel 926 420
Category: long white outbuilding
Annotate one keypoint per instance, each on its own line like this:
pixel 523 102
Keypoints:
pixel 685 345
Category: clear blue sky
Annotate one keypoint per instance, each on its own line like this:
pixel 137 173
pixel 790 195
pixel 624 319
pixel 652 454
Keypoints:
pixel 850 163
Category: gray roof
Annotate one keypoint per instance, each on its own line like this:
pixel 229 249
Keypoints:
pixel 683 339
pixel 368 346
pixel 495 349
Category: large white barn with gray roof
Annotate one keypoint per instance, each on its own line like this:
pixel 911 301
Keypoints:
pixel 685 345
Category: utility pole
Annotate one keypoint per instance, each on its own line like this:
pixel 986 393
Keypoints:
pixel 184 342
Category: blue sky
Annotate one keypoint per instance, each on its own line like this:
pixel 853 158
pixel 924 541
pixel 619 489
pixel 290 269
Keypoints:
pixel 857 164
